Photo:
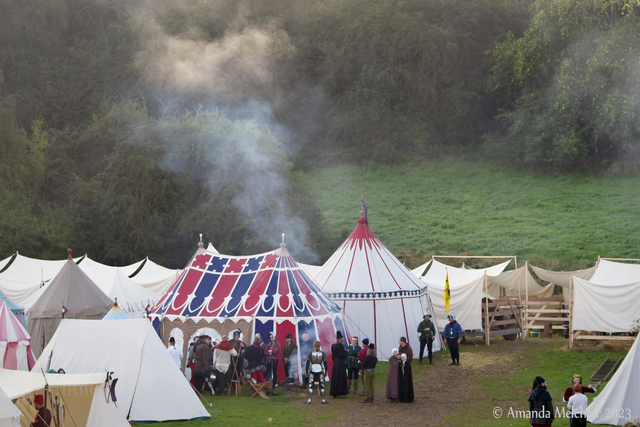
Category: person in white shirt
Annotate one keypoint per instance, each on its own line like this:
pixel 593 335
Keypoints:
pixel 578 407
pixel 176 354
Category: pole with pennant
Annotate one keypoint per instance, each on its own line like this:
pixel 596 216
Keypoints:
pixel 447 293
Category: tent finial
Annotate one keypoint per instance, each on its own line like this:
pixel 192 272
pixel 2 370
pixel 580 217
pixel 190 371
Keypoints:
pixel 69 252
pixel 282 237
pixel 201 243
pixel 364 211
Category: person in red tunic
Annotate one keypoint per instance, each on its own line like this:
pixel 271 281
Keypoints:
pixel 43 417
pixel 577 379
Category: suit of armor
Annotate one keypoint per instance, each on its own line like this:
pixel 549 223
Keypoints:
pixel 316 370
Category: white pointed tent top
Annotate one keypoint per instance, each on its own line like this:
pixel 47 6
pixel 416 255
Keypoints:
pixel 364 264
pixel 11 329
pixel 131 296
pixel 210 248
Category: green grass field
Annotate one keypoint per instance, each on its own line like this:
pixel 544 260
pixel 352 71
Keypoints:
pixel 495 376
pixel 454 206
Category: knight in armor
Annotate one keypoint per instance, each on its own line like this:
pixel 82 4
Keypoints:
pixel 316 370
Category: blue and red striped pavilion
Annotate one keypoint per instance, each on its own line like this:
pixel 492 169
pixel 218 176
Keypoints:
pixel 263 293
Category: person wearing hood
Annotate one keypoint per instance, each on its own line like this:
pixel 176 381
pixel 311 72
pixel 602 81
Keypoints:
pixel 339 370
pixel 222 361
pixel 453 335
pixel 393 376
pixel 540 404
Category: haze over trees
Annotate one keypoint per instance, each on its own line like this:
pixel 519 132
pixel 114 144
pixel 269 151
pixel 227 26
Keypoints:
pixel 127 128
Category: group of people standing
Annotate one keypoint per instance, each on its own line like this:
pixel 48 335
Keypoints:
pixel 541 403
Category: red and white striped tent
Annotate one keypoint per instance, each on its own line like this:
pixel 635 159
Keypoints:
pixel 15 342
pixel 381 299
pixel 263 293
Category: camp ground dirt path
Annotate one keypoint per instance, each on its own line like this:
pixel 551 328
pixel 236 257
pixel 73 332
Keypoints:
pixel 441 390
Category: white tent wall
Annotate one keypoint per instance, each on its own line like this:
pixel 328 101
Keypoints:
pixel 618 402
pixel 605 308
pixel 155 277
pixel 150 388
pixel 466 289
pixel 465 303
pixel 615 273
pixel 394 318
pixel 9 414
pixel 516 283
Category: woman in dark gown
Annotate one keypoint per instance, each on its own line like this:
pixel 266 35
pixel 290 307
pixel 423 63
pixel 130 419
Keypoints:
pixel 393 376
pixel 405 392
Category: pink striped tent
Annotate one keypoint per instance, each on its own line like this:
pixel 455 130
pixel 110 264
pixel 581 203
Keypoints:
pixel 381 299
pixel 263 293
pixel 15 342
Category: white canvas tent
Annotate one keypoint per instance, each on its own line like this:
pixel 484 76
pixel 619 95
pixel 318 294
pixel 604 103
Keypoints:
pixel 133 299
pixel 25 275
pixel 466 290
pixel 381 299
pixel 609 301
pixel 155 278
pixel 618 402
pixel 84 399
pixel 150 388
pixel 9 414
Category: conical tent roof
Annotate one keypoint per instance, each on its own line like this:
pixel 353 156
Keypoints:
pixel 132 298
pixel 116 313
pixel 381 299
pixel 15 342
pixel 81 297
pixel 14 309
pixel 262 293
pixel 618 402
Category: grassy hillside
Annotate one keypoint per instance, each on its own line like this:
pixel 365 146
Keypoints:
pixel 453 206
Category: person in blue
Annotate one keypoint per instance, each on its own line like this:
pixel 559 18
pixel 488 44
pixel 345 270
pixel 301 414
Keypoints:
pixel 453 335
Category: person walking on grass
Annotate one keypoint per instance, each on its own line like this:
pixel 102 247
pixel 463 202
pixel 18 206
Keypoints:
pixel 453 335
pixel 426 330
pixel 541 404
pixel 369 372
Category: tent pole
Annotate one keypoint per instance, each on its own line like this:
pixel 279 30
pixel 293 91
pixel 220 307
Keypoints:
pixel 526 306
pixel 486 307
pixel 570 311
pixel 515 260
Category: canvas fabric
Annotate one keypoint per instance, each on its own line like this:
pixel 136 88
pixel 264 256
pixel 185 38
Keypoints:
pixel 618 402
pixel 149 388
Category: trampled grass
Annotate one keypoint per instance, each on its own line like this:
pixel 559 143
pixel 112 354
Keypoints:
pixel 454 206
pixel 498 376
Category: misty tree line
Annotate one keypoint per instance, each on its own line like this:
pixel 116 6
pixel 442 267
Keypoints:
pixel 126 129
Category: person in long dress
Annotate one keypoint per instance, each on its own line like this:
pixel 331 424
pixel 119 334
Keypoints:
pixel 405 392
pixel 393 377
pixel 339 355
